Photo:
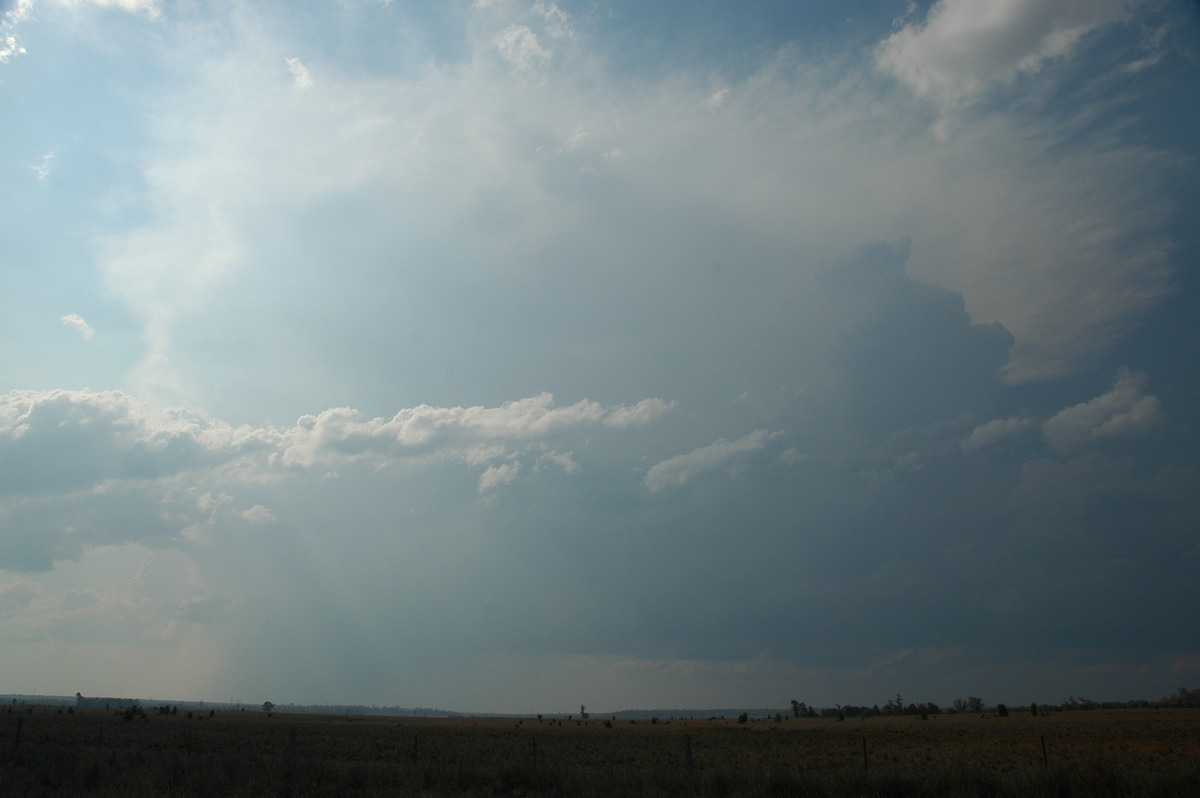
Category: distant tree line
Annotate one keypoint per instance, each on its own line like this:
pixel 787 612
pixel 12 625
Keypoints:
pixel 361 709
pixel 1183 698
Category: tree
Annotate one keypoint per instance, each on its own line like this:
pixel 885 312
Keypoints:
pixel 268 707
pixel 798 709
pixel 975 703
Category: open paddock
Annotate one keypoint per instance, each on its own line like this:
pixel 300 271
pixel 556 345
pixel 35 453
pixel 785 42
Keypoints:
pixel 54 751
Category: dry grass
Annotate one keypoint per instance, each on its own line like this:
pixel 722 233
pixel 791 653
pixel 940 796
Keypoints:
pixel 97 752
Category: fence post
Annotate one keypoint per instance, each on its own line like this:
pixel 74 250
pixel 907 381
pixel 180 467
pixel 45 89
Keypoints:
pixel 687 748
pixel 866 762
pixel 1045 759
pixel 17 742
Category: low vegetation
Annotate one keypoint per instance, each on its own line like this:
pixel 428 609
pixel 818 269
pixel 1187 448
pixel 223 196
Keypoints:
pixel 93 751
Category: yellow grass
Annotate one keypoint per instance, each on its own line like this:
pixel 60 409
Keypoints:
pixel 92 751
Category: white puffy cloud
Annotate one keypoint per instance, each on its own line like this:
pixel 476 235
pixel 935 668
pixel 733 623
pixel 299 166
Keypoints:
pixel 9 44
pixel 1125 410
pixel 637 414
pixel 519 46
pixel 258 515
pixel 20 10
pixel 301 77
pixel 143 608
pixel 340 434
pixel 43 167
pixel 82 469
pixel 679 469
pixel 16 12
pixel 150 8
pixel 70 440
pixel 965 47
pixel 563 460
pixel 9 47
pixel 497 475
pixel 995 431
pixel 78 323
pixel 556 21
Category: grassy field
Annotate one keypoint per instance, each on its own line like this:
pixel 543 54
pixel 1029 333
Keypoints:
pixel 50 751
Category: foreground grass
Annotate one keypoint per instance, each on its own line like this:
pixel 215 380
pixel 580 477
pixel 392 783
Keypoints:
pixel 1103 753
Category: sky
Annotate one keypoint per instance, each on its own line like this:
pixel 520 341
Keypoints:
pixel 512 355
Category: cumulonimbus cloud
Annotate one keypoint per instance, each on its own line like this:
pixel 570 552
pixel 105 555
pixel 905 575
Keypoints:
pixel 790 161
